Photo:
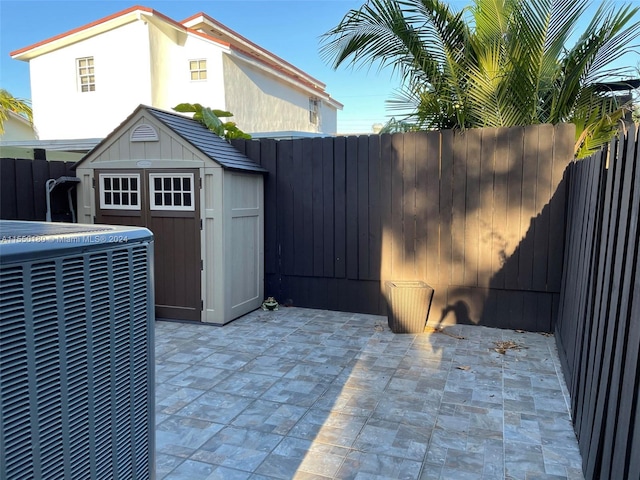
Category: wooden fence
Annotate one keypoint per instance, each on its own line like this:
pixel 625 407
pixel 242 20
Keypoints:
pixel 23 189
pixel 598 329
pixel 478 215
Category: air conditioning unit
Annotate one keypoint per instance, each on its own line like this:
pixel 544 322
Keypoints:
pixel 76 352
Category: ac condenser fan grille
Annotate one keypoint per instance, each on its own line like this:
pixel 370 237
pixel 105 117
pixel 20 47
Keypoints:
pixel 76 379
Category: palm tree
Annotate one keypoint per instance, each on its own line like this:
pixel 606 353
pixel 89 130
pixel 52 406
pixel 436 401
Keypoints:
pixel 9 103
pixel 495 62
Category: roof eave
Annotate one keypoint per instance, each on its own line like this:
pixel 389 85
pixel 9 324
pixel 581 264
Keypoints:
pixel 92 29
pixel 252 48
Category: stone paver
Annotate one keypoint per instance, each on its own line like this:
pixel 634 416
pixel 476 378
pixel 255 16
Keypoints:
pixel 312 394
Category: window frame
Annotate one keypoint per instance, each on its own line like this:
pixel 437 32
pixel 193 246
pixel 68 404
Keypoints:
pixel 165 175
pixel 90 75
pixel 314 111
pixel 198 70
pixel 103 190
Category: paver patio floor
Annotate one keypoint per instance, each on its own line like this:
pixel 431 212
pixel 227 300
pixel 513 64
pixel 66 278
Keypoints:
pixel 302 393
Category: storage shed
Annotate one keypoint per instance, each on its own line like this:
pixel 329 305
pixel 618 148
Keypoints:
pixel 202 199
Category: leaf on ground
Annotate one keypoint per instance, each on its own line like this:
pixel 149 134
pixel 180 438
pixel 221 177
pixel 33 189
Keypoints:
pixel 502 347
pixel 378 328
pixel 520 331
pixel 442 330
pixel 464 367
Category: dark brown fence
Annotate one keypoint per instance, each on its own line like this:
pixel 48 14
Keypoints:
pixel 478 215
pixel 598 330
pixel 23 193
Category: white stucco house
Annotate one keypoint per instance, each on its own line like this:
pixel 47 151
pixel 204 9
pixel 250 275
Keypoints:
pixel 17 128
pixel 101 71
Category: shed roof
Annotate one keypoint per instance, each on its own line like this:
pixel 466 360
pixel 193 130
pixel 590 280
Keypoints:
pixel 215 147
pixel 203 139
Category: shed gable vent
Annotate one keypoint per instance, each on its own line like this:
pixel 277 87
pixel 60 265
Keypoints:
pixel 144 133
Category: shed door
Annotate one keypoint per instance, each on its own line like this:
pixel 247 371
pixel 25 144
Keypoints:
pixel 167 203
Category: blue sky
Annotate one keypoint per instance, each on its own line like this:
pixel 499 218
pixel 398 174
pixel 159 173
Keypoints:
pixel 288 28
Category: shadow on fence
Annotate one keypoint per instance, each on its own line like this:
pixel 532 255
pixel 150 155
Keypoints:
pixel 467 212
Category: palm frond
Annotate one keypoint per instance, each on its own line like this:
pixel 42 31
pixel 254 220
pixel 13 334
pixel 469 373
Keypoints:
pixel 494 63
pixel 19 106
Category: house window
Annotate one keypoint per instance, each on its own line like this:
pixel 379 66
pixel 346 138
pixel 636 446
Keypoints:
pixel 198 69
pixel 86 75
pixel 120 191
pixel 314 107
pixel 171 191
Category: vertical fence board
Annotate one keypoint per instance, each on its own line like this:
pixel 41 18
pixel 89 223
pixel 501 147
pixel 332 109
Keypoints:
pixel 352 207
pixel 386 167
pixel 458 208
pixel 362 213
pixel 299 174
pixel 430 202
pixel 304 184
pixel 237 143
pixel 318 207
pixel 500 191
pixel 529 321
pixel 472 208
pixel 40 170
pixel 286 225
pixel 24 195
pixel 528 220
pixel 8 187
pixel 396 200
pixel 514 206
pixel 340 207
pixel 446 199
pixel 253 150
pixel 409 206
pixel 562 151
pixel 543 195
pixel 57 169
pixel 268 160
pixel 375 227
pixel 421 207
pixel 543 307
pixel 328 192
pixel 486 210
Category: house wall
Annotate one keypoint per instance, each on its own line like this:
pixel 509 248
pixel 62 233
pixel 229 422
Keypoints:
pixel 171 82
pixel 122 72
pixel 328 119
pixel 263 103
pixel 147 62
pixel 16 129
